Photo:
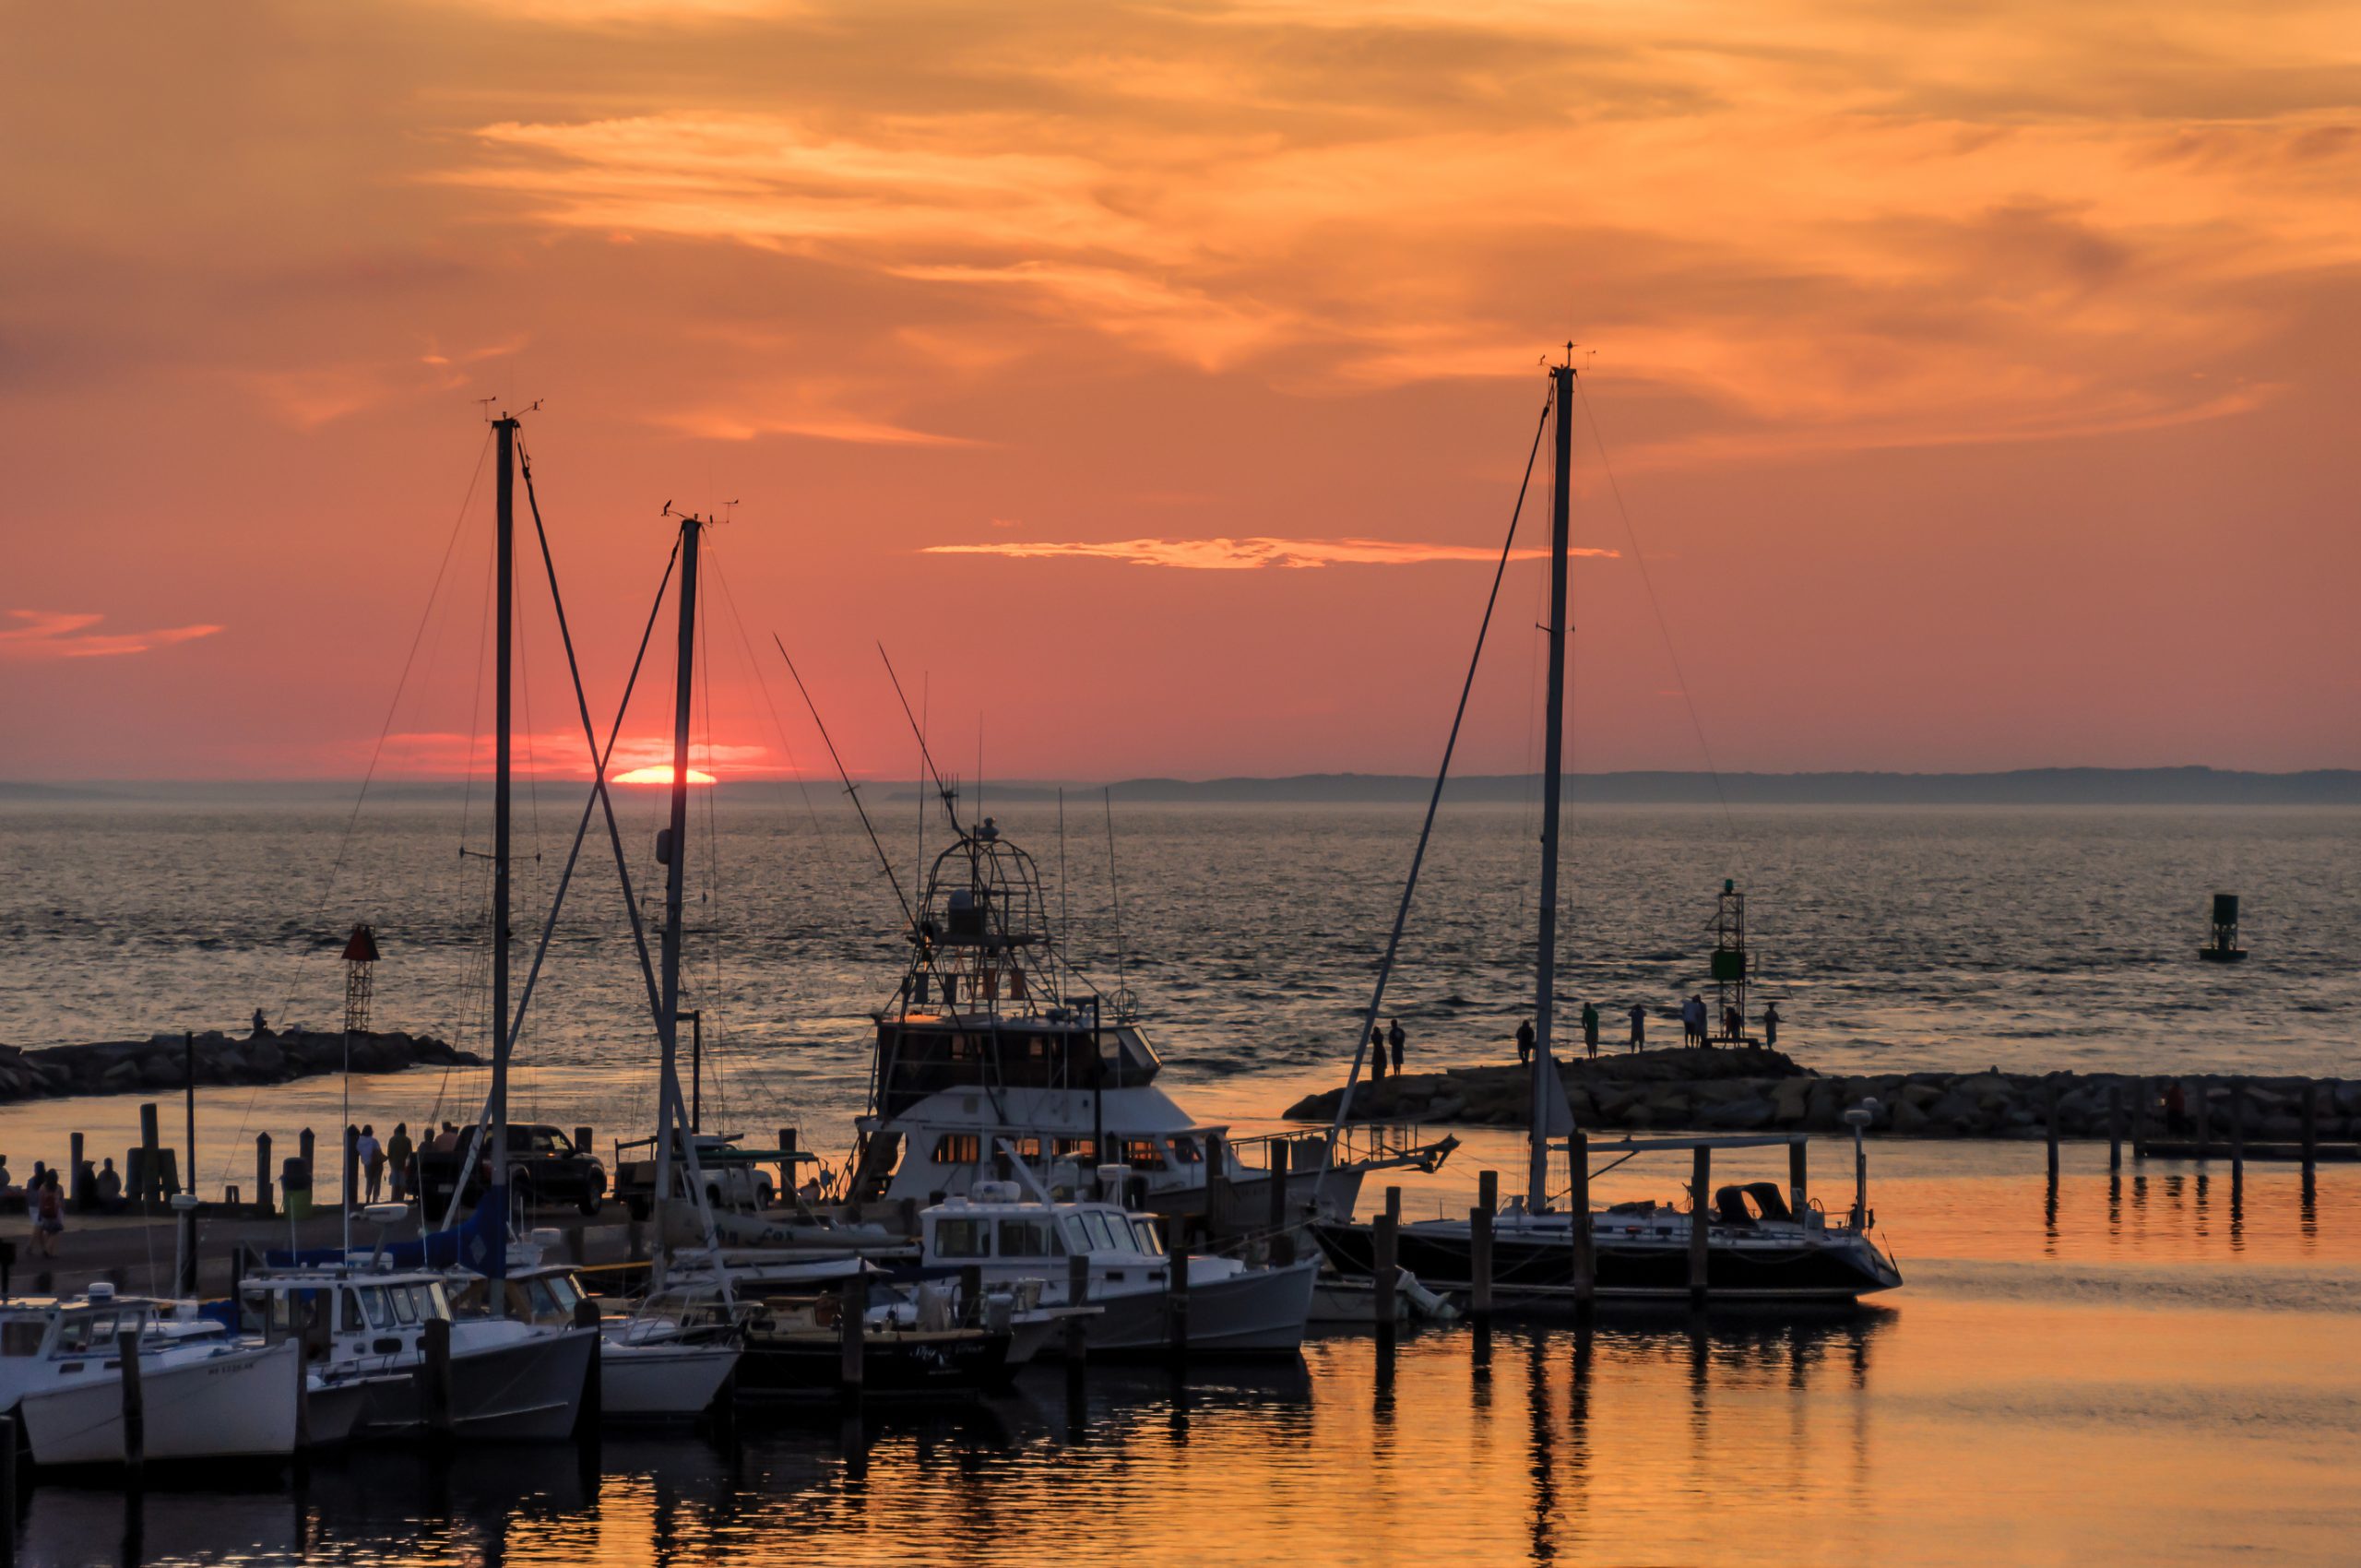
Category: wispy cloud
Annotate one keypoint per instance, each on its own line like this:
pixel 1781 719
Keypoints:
pixel 50 634
pixel 1245 554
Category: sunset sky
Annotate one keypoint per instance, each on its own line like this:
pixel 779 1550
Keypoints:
pixel 1154 380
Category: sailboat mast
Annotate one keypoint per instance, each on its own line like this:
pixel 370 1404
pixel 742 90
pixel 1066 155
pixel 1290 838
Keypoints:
pixel 504 554
pixel 668 1115
pixel 1537 1188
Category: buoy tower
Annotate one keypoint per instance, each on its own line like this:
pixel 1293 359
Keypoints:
pixel 2223 947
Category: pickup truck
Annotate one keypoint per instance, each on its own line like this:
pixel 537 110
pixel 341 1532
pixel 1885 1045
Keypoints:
pixel 734 1178
pixel 543 1167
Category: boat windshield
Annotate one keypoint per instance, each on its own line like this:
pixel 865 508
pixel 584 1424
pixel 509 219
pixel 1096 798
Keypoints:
pixel 1103 1237
pixel 1150 1242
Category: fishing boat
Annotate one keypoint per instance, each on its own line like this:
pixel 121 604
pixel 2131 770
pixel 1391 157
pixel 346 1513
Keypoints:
pixel 1008 1236
pixel 203 1394
pixel 1748 1240
pixel 993 1039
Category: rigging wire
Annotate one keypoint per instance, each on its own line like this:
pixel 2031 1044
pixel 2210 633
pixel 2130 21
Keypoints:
pixel 909 915
pixel 1435 799
pixel 1664 628
pixel 787 748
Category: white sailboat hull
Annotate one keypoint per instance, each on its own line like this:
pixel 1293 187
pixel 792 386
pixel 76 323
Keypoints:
pixel 662 1381
pixel 230 1403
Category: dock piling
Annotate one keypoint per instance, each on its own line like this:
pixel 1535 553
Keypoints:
pixel 1385 1249
pixel 2114 1127
pixel 854 1309
pixel 2311 1116
pixel 1282 1243
pixel 1176 1286
pixel 76 1190
pixel 2140 1093
pixel 2238 1133
pixel 434 1344
pixel 1578 1232
pixel 135 1409
pixel 1479 1245
pixel 1217 1194
pixel 351 1172
pixel 2049 1126
pixel 1077 1294
pixel 149 1188
pixel 1701 1197
pixel 2204 1118
pixel 262 1175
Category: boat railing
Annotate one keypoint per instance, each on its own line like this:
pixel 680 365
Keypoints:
pixel 1356 1143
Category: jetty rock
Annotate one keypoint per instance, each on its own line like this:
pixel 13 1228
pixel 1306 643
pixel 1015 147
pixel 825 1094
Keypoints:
pixel 161 1062
pixel 1746 1089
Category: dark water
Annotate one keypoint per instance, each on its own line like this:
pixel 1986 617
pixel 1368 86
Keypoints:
pixel 2155 1368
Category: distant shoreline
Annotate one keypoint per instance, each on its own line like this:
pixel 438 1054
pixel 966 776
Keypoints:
pixel 2019 787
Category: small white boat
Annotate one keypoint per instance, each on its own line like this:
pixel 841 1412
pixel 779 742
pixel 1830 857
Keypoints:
pixel 1232 1308
pixel 1341 1299
pixel 203 1395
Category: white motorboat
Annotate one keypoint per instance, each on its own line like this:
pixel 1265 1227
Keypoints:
pixel 509 1380
pixel 990 1040
pixel 1009 1238
pixel 666 1361
pixel 204 1395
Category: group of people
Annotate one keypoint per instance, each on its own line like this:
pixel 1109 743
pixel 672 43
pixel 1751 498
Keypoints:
pixel 1383 1041
pixel 396 1156
pixel 1694 1017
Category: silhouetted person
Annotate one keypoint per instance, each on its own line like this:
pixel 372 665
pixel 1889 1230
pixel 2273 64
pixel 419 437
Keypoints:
pixel 1590 1028
pixel 1524 1043
pixel 1733 1027
pixel 106 1188
pixel 398 1152
pixel 1639 1016
pixel 1770 1027
pixel 49 1215
pixel 1396 1039
pixel 1692 1021
pixel 1376 1054
pixel 261 1023
pixel 372 1160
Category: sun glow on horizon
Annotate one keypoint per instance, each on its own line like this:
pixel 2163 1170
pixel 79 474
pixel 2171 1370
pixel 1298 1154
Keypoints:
pixel 662 773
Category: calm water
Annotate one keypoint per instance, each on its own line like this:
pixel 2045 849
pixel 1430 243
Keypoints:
pixel 2145 1370
pixel 2151 1369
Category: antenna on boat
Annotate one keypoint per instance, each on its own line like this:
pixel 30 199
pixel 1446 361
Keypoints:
pixel 851 788
pixel 949 796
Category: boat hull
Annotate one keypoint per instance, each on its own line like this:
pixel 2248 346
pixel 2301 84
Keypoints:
pixel 1256 1311
pixel 662 1382
pixel 1538 1268
pixel 236 1404
pixel 523 1389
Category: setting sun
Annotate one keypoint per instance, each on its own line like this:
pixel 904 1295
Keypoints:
pixel 662 773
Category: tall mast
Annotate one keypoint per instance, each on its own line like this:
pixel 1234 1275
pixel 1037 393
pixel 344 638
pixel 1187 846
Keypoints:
pixel 1537 1185
pixel 668 1113
pixel 504 552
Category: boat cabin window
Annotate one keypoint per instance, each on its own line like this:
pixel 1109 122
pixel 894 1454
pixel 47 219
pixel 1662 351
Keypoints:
pixel 22 1337
pixel 1083 1149
pixel 1077 1234
pixel 1185 1151
pixel 348 1319
pixel 963 1238
pixel 959 1148
pixel 1134 1056
pixel 1150 1242
pixel 83 1330
pixel 373 1302
pixel 1140 1154
pixel 1026 1239
pixel 1103 1237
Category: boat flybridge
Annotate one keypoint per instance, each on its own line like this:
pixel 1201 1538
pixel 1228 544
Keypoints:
pixel 993 1039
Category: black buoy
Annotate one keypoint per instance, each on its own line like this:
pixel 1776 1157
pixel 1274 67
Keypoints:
pixel 2224 948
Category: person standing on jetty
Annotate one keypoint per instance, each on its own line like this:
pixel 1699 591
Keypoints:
pixel 1590 1028
pixel 1524 1043
pixel 1639 1016
pixel 1396 1039
pixel 1771 1027
pixel 372 1160
pixel 1376 1054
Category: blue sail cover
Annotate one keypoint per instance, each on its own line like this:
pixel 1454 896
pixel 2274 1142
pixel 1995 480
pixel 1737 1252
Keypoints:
pixel 479 1245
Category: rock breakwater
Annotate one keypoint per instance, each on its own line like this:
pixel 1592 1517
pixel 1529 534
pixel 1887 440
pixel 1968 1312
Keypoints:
pixel 160 1061
pixel 1748 1090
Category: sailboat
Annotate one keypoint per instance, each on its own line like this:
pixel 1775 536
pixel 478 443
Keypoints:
pixel 1751 1240
pixel 366 1316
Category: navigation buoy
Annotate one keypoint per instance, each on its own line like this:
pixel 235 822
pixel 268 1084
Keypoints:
pixel 2224 948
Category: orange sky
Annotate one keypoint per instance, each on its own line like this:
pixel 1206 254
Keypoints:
pixel 1979 378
